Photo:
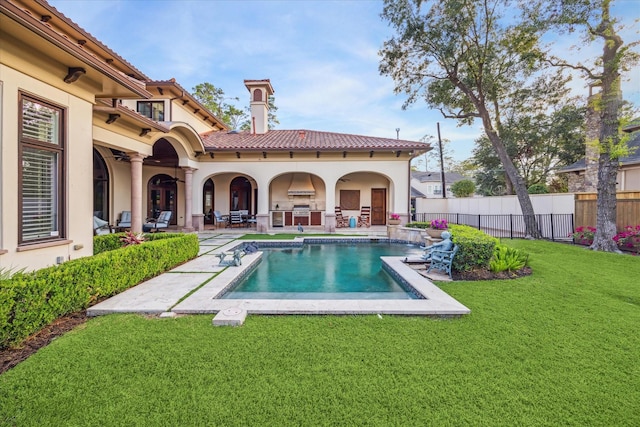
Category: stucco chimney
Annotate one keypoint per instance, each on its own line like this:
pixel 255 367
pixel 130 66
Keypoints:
pixel 259 91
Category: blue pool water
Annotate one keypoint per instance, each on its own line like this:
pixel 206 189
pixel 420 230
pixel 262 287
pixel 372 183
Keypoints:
pixel 324 271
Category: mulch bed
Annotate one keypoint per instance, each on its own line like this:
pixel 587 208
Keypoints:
pixel 488 275
pixel 10 357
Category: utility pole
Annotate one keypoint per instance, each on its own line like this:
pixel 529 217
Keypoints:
pixel 444 185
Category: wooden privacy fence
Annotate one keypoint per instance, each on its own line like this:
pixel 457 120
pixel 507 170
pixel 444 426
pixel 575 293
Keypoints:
pixel 628 209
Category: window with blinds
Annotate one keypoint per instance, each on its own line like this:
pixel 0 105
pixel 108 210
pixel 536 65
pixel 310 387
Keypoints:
pixel 41 156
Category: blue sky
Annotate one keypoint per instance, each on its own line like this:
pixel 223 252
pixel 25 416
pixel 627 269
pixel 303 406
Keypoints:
pixel 321 57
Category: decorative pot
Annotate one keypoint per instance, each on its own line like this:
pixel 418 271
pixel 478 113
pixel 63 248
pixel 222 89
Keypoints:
pixel 393 221
pixel 436 234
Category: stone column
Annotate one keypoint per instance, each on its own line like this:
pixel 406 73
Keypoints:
pixel 188 199
pixel 136 191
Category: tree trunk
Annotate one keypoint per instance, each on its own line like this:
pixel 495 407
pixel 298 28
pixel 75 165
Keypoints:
pixel 606 205
pixel 531 226
pixel 610 103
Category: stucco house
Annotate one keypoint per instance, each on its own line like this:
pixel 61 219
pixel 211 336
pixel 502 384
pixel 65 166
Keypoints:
pixel 84 133
pixel 430 183
pixel 583 174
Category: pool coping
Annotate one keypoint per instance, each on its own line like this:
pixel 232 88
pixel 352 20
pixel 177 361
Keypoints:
pixel 436 303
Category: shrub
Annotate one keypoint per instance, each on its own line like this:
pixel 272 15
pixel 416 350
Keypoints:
pixel 475 248
pixel 538 189
pixel 421 225
pixel 508 259
pixel 463 188
pixel 29 301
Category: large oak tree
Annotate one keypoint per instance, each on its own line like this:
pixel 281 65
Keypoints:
pixel 470 61
pixel 594 18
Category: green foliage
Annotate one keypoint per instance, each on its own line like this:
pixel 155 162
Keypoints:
pixel 538 189
pixel 463 188
pixel 29 301
pixel 475 247
pixel 422 225
pixel 542 350
pixel 508 259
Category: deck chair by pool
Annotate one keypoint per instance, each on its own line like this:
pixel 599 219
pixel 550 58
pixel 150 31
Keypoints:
pixel 220 220
pixel 364 220
pixel 341 221
pixel 100 226
pixel 125 220
pixel 153 225
pixel 235 219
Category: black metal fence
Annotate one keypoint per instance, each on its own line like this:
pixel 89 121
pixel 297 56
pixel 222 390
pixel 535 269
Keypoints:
pixel 552 226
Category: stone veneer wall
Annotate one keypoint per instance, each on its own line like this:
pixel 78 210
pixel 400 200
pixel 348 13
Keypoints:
pixel 414 235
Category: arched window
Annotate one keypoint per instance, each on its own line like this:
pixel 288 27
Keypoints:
pixel 257 95
pixel 100 187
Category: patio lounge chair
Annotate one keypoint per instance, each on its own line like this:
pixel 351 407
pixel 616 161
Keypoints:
pixel 341 221
pixel 220 219
pixel 125 220
pixel 100 226
pixel 365 217
pixel 153 225
pixel 235 219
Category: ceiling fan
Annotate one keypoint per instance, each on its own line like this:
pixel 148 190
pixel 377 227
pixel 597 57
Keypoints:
pixel 173 180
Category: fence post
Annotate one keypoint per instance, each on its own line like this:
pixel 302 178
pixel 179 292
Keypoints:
pixel 553 236
pixel 511 226
pixel 479 227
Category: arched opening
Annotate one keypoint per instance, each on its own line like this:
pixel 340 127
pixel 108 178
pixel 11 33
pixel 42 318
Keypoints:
pixel 240 194
pixel 100 187
pixel 163 196
pixel 208 201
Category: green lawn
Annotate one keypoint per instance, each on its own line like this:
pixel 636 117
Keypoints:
pixel 560 347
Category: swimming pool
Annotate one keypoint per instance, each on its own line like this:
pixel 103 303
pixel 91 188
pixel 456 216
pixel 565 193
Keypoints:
pixel 325 271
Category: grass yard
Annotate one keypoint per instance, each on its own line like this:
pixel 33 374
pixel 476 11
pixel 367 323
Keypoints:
pixel 559 347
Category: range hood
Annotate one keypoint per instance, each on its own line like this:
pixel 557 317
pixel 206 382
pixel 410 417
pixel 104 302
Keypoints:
pixel 301 185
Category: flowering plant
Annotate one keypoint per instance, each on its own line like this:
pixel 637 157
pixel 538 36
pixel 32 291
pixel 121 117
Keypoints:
pixel 583 235
pixel 629 238
pixel 439 224
pixel 394 216
pixel 131 239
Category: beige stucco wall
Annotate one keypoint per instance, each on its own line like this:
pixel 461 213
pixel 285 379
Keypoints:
pixel 78 161
pixel 390 174
pixel 629 178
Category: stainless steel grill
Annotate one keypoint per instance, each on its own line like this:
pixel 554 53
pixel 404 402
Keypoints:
pixel 300 210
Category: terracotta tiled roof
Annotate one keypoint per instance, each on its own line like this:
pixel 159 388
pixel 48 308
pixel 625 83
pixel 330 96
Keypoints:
pixel 304 140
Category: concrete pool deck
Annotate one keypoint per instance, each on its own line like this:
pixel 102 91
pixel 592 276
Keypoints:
pixel 193 287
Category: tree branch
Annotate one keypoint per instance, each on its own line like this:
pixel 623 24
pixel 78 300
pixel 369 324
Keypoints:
pixel 586 70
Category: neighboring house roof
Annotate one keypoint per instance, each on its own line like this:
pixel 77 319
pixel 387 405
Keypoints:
pixel 449 177
pixel 304 140
pixel 417 193
pixel 632 159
